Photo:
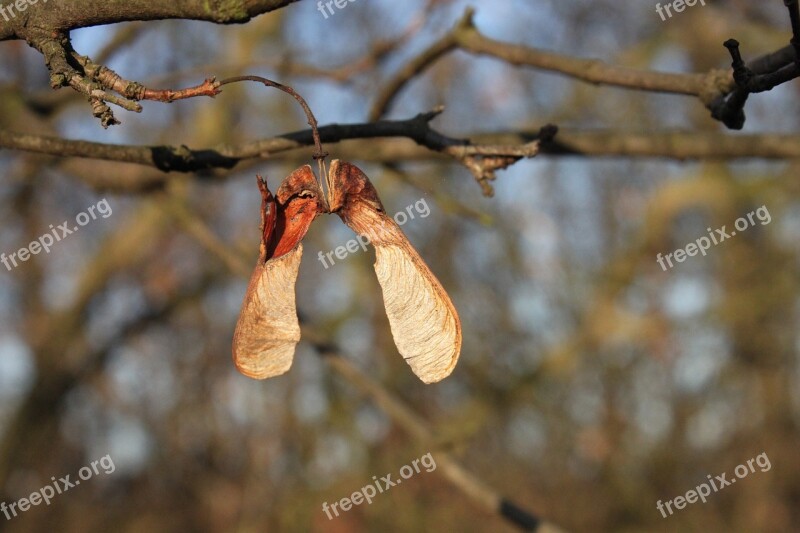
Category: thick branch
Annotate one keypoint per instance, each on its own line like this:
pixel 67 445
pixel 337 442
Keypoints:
pixel 668 144
pixel 481 160
pixel 760 75
pixel 46 28
pixel 61 16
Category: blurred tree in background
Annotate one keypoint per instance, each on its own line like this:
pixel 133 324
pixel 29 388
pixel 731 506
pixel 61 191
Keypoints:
pixel 592 383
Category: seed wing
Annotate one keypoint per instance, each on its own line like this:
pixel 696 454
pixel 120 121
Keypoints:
pixel 423 320
pixel 424 323
pixel 268 329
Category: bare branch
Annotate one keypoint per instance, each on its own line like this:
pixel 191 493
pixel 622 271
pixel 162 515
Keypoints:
pixel 66 15
pixel 415 67
pixel 761 75
pixel 674 144
pixel 481 160
pixel 47 30
pixel 712 88
pixel 465 36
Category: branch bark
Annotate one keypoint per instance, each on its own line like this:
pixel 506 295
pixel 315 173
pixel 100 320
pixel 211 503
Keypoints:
pixel 712 88
pixel 481 160
pixel 673 144
pixel 465 36
pixel 65 15
pixel 46 28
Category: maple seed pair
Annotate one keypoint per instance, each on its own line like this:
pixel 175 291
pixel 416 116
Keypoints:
pixel 424 323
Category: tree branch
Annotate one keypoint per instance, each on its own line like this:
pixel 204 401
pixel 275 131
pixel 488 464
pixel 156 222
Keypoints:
pixel 481 160
pixel 64 15
pixel 46 28
pixel 762 74
pixel 465 36
pixel 680 145
pixel 711 87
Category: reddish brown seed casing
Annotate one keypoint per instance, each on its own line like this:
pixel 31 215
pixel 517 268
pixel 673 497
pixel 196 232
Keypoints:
pixel 268 329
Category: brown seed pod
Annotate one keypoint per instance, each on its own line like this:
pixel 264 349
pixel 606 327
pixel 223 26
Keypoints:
pixel 424 323
pixel 268 329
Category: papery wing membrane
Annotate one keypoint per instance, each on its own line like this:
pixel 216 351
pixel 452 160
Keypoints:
pixel 268 329
pixel 424 323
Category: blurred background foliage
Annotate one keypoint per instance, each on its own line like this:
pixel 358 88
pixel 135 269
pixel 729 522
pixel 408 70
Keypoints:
pixel 591 383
